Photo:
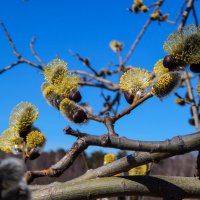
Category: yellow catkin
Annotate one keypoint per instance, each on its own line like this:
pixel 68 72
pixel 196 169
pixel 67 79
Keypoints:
pixel 166 84
pixel 71 111
pixel 159 69
pixel 138 2
pixel 135 9
pixel 179 101
pixel 23 116
pixel 198 87
pixel 51 96
pixel 68 85
pixel 184 45
pixel 144 8
pixel 108 158
pixel 140 170
pixel 8 140
pixel 68 108
pixel 155 16
pixel 35 139
pixel 116 45
pixel 135 80
pixel 55 71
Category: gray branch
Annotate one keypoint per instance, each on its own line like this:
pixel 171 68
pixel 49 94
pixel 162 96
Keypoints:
pixel 169 187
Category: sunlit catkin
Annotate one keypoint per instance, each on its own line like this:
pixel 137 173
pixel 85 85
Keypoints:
pixel 72 111
pixel 108 158
pixel 140 170
pixel 22 117
pixel 116 46
pixel 8 139
pixel 55 71
pixel 35 139
pixel 165 84
pixel 135 80
pixel 50 95
pixel 68 85
pixel 183 47
pixel 159 69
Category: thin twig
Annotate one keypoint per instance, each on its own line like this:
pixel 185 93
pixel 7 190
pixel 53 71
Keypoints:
pixel 84 61
pixel 16 53
pixel 10 66
pixel 195 15
pixel 32 43
pixel 136 41
pixel 94 77
pixel 143 30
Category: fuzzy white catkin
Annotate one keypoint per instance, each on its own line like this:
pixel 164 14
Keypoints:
pixel 11 180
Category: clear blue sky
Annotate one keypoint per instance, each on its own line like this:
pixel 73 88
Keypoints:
pixel 86 27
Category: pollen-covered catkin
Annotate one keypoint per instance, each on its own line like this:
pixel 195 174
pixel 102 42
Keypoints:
pixel 116 46
pixel 135 80
pixel 55 71
pixel 35 139
pixel 159 69
pixel 183 46
pixel 23 116
pixel 72 111
pixel 165 84
pixel 8 139
pixel 49 93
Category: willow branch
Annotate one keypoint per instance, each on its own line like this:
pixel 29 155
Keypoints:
pixel 136 41
pixel 186 13
pixel 109 105
pixel 15 51
pixel 98 85
pixel 32 43
pixel 143 30
pixel 85 61
pixel 160 186
pixel 194 107
pixel 94 77
pixel 19 57
pixel 195 15
pixel 192 100
pixel 175 146
pixel 10 66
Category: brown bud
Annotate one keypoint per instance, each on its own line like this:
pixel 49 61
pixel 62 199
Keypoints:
pixel 195 68
pixel 129 97
pixel 33 154
pixel 79 116
pixel 75 96
pixel 86 61
pixel 191 121
pixel 169 62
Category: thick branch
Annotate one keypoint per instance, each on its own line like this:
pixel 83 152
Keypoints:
pixel 175 146
pixel 170 187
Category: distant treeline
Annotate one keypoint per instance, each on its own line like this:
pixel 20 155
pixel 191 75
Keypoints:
pixel 176 166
